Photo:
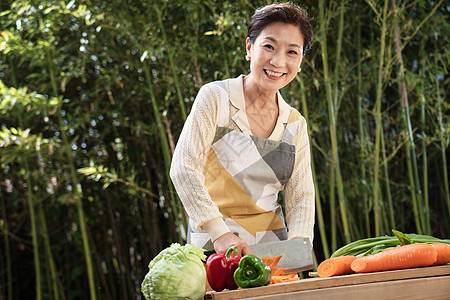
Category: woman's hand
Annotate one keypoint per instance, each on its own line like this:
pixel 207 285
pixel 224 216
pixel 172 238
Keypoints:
pixel 228 240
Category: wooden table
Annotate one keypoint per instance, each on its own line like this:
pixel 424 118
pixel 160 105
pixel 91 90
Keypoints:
pixel 419 283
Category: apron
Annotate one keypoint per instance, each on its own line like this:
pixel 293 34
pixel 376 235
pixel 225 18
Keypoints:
pixel 243 175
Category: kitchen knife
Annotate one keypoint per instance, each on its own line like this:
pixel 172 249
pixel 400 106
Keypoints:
pixel 296 254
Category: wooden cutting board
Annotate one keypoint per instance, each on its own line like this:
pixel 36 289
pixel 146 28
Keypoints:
pixel 418 283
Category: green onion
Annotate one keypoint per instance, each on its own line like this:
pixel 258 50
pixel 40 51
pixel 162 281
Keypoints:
pixel 374 245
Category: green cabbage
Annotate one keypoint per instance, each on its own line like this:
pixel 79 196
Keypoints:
pixel 177 272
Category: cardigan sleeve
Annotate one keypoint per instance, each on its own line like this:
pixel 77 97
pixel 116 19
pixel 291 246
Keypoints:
pixel 189 159
pixel 299 194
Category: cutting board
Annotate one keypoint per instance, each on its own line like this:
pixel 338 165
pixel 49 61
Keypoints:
pixel 418 283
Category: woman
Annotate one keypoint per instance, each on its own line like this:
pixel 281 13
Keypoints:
pixel 242 144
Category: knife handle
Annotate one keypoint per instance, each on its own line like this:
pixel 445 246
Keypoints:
pixel 208 253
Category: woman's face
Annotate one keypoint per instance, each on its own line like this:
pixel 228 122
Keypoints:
pixel 275 55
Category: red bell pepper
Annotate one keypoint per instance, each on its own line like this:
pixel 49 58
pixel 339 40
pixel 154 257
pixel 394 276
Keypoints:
pixel 220 269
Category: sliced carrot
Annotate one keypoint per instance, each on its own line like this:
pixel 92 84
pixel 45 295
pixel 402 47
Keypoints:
pixel 275 280
pixel 267 260
pixel 284 278
pixel 335 266
pixel 290 275
pixel 281 279
pixel 277 273
pixel 272 261
pixel 403 257
pixel 443 253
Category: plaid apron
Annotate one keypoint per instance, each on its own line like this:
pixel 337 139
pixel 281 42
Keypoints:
pixel 243 175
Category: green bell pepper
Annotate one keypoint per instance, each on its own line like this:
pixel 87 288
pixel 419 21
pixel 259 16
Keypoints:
pixel 252 272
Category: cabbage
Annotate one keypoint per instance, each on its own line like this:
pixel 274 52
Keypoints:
pixel 177 272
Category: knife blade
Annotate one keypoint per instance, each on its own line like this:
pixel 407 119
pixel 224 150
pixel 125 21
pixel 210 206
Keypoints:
pixel 296 254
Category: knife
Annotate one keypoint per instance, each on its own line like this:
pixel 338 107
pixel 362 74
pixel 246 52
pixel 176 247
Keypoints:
pixel 296 254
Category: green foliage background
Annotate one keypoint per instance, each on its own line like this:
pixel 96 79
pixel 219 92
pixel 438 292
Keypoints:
pixel 95 93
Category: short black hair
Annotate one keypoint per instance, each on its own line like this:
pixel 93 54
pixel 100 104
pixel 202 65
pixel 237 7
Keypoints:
pixel 288 13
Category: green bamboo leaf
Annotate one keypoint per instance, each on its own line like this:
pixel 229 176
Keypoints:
pixel 87 171
pixel 70 4
pixel 26 132
pixel 97 177
pixel 211 32
pixel 144 56
pixel 5 12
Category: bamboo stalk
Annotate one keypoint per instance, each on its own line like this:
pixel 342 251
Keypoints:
pixel 181 221
pixel 47 247
pixel 414 201
pixel 48 253
pixel 122 268
pixel 7 245
pixel 31 204
pixel 390 207
pixel 378 124
pixel 172 64
pixel 337 65
pixel 415 185
pixel 101 274
pixel 336 100
pixel 424 139
pixel 361 131
pixel 152 214
pixel 225 54
pixel 162 134
pixel 385 219
pixel 9 287
pixel 443 145
pixel 442 137
pixel 319 213
pixel 34 225
pixel 74 179
pixel 333 218
pixel 153 236
pixel 335 167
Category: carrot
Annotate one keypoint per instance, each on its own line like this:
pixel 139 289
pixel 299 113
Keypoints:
pixel 272 261
pixel 403 257
pixel 335 266
pixel 443 253
pixel 284 278
pixel 277 273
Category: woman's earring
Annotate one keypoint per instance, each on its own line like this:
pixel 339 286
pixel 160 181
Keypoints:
pixel 299 69
pixel 247 57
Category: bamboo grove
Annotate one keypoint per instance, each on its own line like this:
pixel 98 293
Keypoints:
pixel 94 95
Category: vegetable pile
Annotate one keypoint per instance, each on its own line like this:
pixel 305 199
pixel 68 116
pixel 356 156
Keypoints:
pixel 231 271
pixel 176 272
pixel 228 271
pixel 386 253
pixel 179 272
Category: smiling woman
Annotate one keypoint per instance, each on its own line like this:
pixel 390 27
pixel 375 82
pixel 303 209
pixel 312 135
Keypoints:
pixel 242 144
pixel 275 57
